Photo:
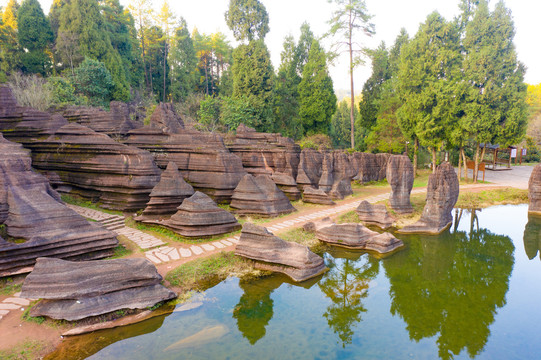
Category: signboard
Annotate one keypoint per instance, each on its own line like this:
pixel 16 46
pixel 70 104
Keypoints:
pixel 513 153
pixel 523 152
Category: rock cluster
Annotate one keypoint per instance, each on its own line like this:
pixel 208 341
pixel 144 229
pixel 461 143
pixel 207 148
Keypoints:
pixel 400 177
pixel 200 216
pixel 369 167
pixel 374 215
pixel 353 236
pixel 167 195
pixel 202 158
pixel 36 222
pixel 441 197
pixel 114 122
pixel 259 195
pixel 274 254
pixel 77 290
pixel 309 171
pixel 271 154
pixel 534 191
pixel 316 196
pixel 94 166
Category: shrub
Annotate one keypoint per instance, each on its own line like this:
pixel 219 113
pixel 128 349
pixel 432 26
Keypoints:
pixel 237 111
pixel 190 107
pixel 62 90
pixel 31 91
pixel 209 113
pixel 316 142
pixel 94 81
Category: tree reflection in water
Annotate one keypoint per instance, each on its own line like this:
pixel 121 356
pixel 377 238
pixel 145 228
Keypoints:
pixel 451 286
pixel 532 237
pixel 346 284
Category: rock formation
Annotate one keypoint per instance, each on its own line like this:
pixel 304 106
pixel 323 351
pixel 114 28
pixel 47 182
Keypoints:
pixel 374 215
pixel 316 196
pixel 114 122
pixel 274 254
pixel 259 195
pixel 167 195
pixel 534 191
pixel 354 236
pixel 400 177
pixel 287 184
pixel 165 118
pixel 441 197
pixel 77 290
pixel 369 167
pixel 94 166
pixel 200 216
pixel 202 158
pixel 309 171
pixel 36 222
pixel 532 237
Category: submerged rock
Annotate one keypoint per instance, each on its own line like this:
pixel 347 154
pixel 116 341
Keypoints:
pixel 274 254
pixel 36 221
pixel 259 195
pixel 167 195
pixel 441 197
pixel 199 215
pixel 77 290
pixel 374 215
pixel 316 196
pixel 354 236
pixel 400 176
pixel 534 190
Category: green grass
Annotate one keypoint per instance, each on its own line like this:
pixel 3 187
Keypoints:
pixel 483 199
pixel 35 319
pixel 29 349
pixel 121 251
pixel 87 204
pixel 305 238
pixel 200 273
pixel 10 286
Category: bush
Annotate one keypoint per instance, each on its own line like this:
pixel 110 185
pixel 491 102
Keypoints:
pixel 62 91
pixel 94 81
pixel 237 111
pixel 190 107
pixel 31 91
pixel 316 142
pixel 209 113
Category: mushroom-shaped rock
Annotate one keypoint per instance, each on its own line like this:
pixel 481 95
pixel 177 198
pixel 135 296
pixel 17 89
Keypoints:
pixel 167 195
pixel 400 177
pixel 534 191
pixel 356 236
pixel 199 215
pixel 374 215
pixel 441 197
pixel 260 195
pixel 77 290
pixel 272 253
pixel 316 196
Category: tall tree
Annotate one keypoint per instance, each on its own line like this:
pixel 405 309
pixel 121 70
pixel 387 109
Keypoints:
pixel 430 74
pixel 495 109
pixel 10 51
pixel 166 19
pixel 248 19
pixel 35 36
pixel 183 63
pixel 350 17
pixel 142 12
pixel 316 94
pixel 302 51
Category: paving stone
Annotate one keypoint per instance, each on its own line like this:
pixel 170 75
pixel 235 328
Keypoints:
pixel 4 312
pixel 18 301
pixel 207 247
pixel 4 306
pixel 153 258
pixel 196 250
pixel 17 294
pixel 236 241
pixel 185 252
pixel 226 242
pixel 218 245
pixel 161 256
pixel 174 255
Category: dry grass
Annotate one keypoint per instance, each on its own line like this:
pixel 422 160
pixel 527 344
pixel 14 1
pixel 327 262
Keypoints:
pixel 31 90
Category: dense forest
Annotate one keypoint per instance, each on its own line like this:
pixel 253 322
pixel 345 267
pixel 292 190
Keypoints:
pixel 453 85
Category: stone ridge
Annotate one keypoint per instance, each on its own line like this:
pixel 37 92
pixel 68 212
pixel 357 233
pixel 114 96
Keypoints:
pixel 400 176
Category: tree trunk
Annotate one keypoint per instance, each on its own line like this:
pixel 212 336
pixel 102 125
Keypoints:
pixel 351 113
pixel 433 160
pixel 164 67
pixel 415 149
pixel 143 47
pixel 463 154
pixel 206 75
pixel 460 164
pixel 476 164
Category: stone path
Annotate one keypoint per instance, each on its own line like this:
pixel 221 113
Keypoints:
pixel 16 302
pixel 159 252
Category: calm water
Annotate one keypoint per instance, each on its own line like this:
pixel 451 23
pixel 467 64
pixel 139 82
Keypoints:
pixel 473 292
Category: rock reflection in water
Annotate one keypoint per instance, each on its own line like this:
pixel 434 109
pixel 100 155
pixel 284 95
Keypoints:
pixel 532 237
pixel 451 286
pixel 346 285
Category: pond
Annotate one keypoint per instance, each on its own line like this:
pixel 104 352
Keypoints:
pixel 472 292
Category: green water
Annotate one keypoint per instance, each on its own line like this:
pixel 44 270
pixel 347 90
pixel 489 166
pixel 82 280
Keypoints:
pixel 472 292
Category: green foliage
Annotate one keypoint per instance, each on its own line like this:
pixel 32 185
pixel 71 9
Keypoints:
pixel 209 112
pixel 27 350
pixel 94 81
pixel 248 19
pixel 34 35
pixel 238 110
pixel 316 142
pixel 302 50
pixel 10 51
pixel 63 91
pixel 9 287
pixel 183 60
pixel 316 94
pixel 340 125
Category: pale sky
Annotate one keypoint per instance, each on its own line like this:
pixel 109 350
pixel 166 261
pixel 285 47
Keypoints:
pixel 286 17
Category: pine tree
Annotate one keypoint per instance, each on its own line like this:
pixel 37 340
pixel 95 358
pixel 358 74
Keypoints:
pixel 34 35
pixel 248 19
pixel 302 51
pixel 316 94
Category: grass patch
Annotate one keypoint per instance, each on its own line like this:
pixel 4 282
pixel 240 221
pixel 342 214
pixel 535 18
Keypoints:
pixel 486 198
pixel 201 273
pixel 10 286
pixel 29 349
pixel 349 217
pixel 68 199
pixel 35 319
pixel 305 238
pixel 121 251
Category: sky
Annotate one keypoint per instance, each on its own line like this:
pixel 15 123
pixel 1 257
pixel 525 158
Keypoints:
pixel 389 16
